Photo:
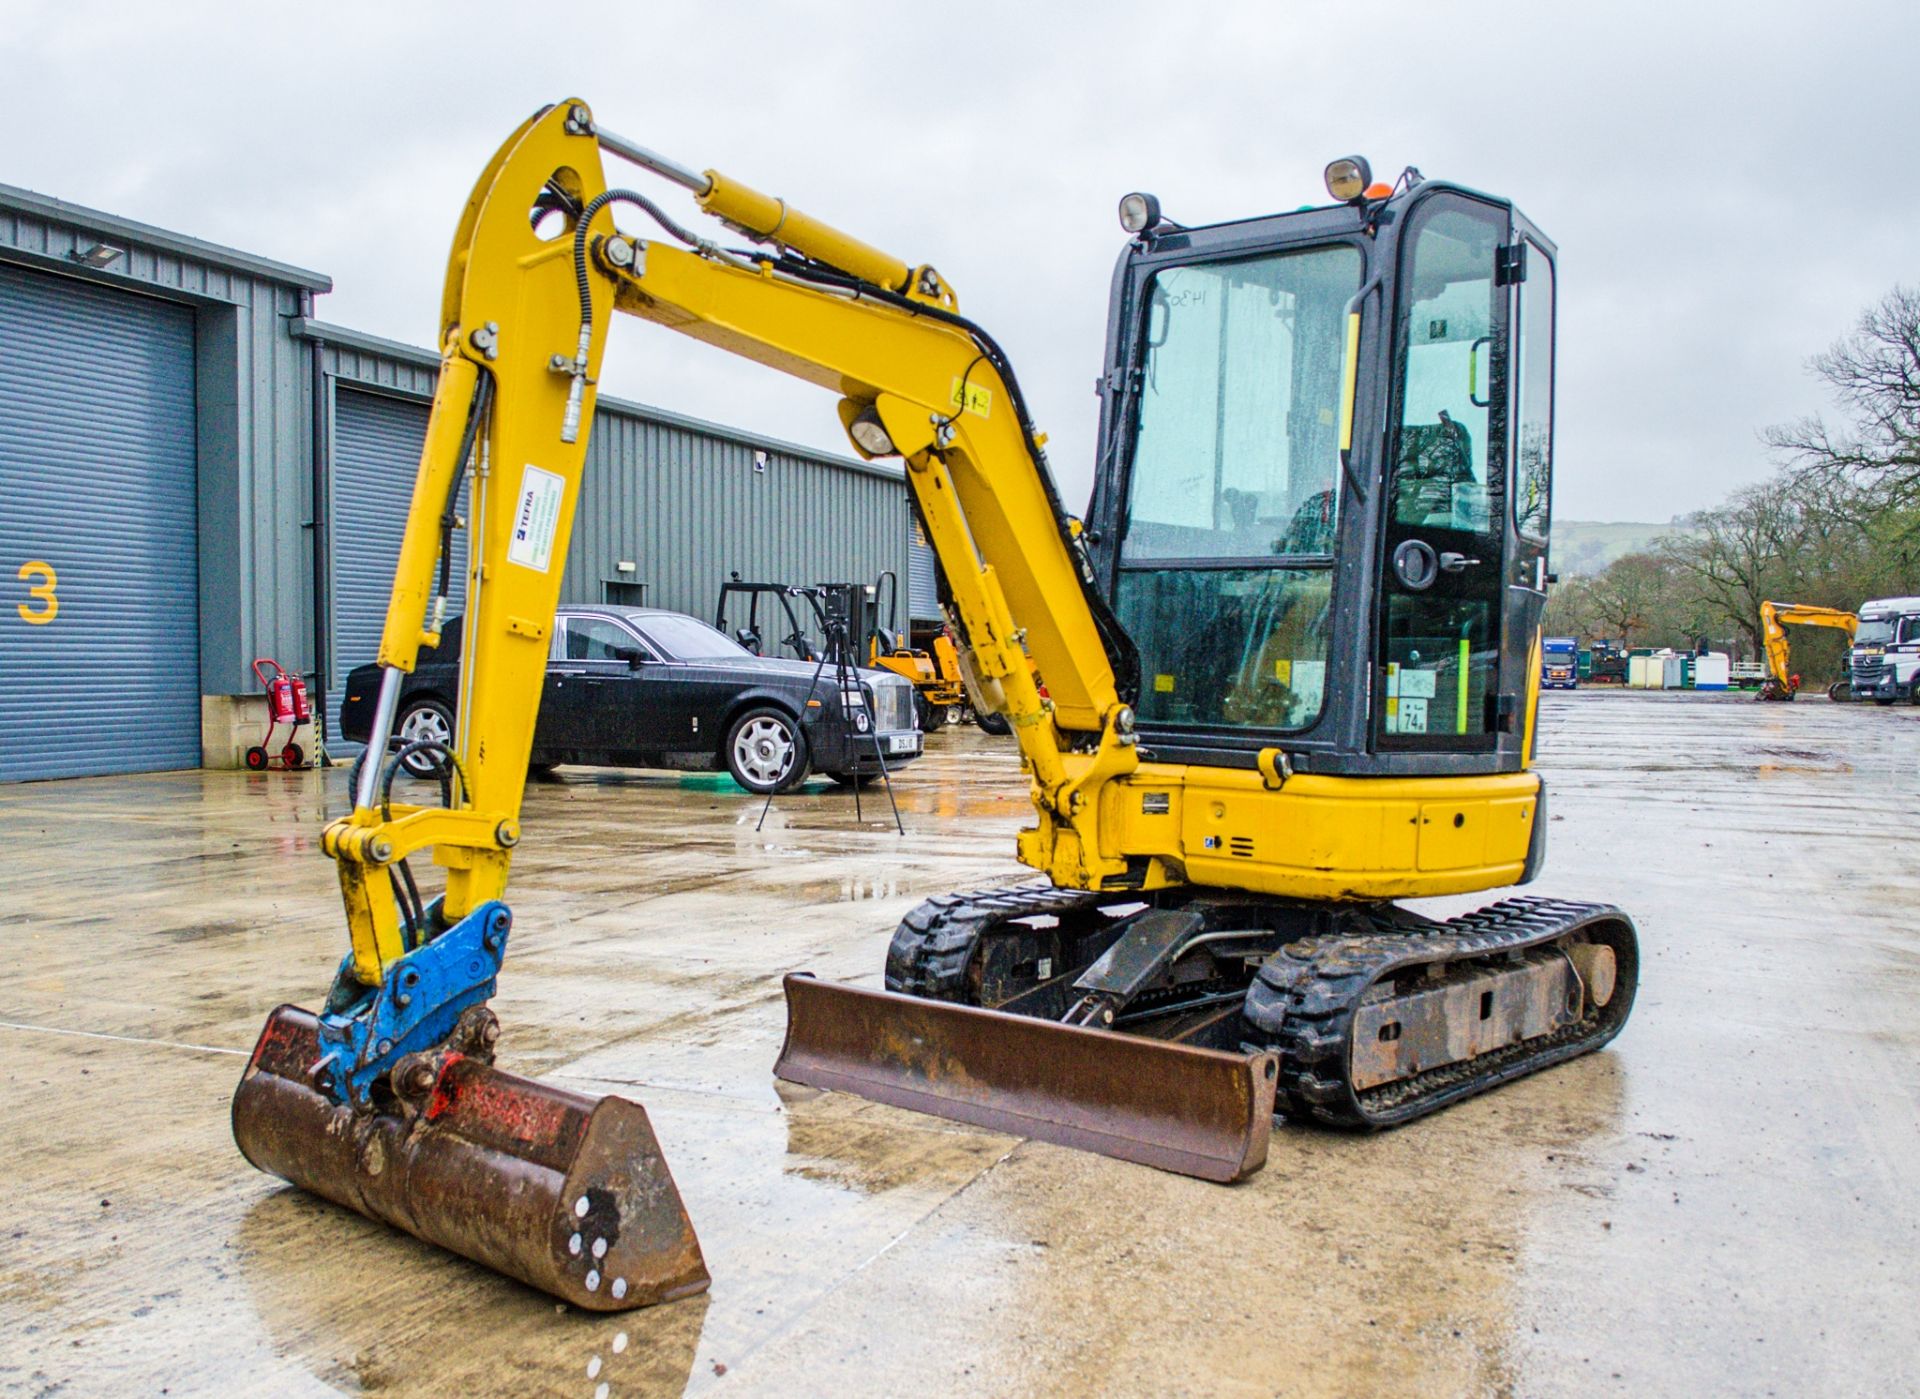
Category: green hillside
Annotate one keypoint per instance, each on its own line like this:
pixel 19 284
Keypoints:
pixel 1581 547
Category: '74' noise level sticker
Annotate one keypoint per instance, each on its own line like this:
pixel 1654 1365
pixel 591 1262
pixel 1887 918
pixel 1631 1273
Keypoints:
pixel 536 518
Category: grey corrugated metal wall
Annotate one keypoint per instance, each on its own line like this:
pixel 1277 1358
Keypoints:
pixel 251 419
pixel 99 653
pixel 253 428
pixel 685 502
pixel 688 507
pixel 923 570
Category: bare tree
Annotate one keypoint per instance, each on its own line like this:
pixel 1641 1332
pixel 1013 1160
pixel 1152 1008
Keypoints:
pixel 1738 555
pixel 1874 373
pixel 1840 523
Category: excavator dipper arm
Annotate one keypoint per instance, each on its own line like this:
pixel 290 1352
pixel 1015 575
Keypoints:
pixel 386 1101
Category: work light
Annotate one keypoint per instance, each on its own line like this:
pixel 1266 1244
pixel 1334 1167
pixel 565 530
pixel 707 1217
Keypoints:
pixel 871 434
pixel 1348 177
pixel 1139 212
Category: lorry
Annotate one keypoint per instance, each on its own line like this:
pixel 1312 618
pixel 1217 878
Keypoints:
pixel 1560 663
pixel 1607 663
pixel 1883 663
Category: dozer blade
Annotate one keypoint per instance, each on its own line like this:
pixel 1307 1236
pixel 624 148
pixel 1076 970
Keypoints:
pixel 1199 1112
pixel 565 1192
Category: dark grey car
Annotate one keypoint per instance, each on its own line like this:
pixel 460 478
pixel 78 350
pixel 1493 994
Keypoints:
pixel 642 687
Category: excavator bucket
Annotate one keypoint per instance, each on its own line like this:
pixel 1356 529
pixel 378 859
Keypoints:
pixel 1199 1112
pixel 567 1193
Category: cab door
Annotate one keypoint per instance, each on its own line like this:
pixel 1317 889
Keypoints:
pixel 1530 278
pixel 1442 681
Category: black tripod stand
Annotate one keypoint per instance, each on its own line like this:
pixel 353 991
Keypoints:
pixel 854 711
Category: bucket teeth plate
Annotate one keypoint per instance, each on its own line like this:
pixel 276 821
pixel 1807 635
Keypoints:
pixel 1199 1112
pixel 567 1193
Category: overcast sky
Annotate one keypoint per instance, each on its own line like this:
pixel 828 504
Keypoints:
pixel 1729 184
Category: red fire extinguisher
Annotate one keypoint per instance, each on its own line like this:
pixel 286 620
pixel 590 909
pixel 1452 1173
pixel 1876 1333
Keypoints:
pixel 286 704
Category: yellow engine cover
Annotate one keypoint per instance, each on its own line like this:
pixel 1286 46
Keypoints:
pixel 1321 837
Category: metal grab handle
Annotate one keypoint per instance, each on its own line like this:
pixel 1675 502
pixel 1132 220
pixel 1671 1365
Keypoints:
pixel 1349 383
pixel 1473 374
pixel 1456 563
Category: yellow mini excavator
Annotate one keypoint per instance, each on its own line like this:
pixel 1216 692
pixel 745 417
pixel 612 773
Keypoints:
pixel 1283 675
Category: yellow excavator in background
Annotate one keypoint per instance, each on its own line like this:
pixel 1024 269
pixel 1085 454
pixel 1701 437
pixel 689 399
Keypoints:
pixel 1775 617
pixel 1284 675
pixel 934 670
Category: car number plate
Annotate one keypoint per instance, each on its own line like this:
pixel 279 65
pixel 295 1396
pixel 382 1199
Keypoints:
pixel 903 743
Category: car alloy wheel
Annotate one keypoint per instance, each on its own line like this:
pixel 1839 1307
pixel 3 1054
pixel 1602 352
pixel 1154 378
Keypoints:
pixel 425 721
pixel 764 750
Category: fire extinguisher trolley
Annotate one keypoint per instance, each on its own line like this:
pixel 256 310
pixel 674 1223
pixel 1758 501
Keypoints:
pixel 286 704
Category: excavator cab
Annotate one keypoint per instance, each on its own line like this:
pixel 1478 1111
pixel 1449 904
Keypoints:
pixel 1324 511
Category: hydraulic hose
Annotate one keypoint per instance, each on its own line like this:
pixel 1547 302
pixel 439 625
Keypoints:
pixel 476 412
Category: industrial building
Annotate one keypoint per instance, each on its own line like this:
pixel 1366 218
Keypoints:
pixel 195 471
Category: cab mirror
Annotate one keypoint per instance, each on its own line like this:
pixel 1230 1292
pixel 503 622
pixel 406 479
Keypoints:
pixel 632 655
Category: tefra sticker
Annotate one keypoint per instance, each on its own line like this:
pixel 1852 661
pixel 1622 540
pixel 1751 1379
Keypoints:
pixel 536 518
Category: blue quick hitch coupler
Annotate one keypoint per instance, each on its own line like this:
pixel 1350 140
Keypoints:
pixel 365 1031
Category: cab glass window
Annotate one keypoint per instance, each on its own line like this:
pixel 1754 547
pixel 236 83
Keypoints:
pixel 1438 679
pixel 1446 362
pixel 1533 433
pixel 1236 451
pixel 1241 648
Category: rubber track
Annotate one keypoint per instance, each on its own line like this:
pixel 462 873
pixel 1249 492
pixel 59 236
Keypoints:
pixel 935 941
pixel 1305 997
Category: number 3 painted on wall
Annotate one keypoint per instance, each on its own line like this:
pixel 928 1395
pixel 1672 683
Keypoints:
pixel 41 591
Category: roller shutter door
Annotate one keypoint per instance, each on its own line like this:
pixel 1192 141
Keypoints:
pixel 923 592
pixel 99 582
pixel 376 453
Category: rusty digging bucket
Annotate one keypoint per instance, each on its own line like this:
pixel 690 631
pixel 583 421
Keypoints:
pixel 567 1193
pixel 1199 1112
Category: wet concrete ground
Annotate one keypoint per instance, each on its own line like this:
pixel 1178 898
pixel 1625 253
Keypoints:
pixel 1725 1201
